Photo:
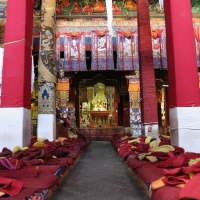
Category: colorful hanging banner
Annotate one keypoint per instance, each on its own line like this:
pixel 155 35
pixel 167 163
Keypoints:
pixel 127 55
pixel 159 48
pixel 58 63
pixel 74 52
pixel 62 92
pixel 102 50
pixel 197 43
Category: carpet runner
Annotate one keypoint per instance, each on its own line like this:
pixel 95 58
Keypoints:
pixel 100 174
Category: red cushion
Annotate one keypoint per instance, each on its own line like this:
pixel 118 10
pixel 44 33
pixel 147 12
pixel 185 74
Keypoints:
pixel 134 163
pixel 149 173
pixel 165 193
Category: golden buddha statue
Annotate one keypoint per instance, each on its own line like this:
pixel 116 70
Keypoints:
pixel 100 102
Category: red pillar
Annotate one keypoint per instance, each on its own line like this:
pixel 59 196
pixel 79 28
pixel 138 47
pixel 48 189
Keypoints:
pixel 15 113
pixel 16 75
pixel 184 97
pixel 149 114
pixel 181 54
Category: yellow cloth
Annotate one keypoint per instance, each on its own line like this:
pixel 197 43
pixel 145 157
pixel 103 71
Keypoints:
pixel 16 149
pixel 158 183
pixel 141 156
pixel 154 143
pixel 148 140
pixel 62 85
pixel 163 148
pixel 41 139
pixel 38 144
pixel 193 161
pixel 134 86
pixel 62 139
pixel 72 135
pixel 137 140
pixel 152 158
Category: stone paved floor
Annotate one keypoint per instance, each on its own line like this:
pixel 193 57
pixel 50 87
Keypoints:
pixel 100 174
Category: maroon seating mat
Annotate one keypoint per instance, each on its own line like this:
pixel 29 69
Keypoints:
pixel 165 193
pixel 149 173
pixel 134 163
pixel 42 181
pixel 48 168
pixel 23 195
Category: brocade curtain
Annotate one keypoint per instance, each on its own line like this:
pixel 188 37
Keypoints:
pixel 102 50
pixel 127 55
pixel 74 51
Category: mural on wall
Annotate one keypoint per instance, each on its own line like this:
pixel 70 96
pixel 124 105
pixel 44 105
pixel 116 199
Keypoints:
pixel 195 6
pixel 127 7
pixel 90 7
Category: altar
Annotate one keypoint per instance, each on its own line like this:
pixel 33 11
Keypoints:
pixel 100 119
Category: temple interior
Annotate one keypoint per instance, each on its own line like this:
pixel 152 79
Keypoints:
pixel 102 121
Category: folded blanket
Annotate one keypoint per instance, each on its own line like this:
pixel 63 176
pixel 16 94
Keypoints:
pixel 25 172
pixel 10 186
pixel 191 189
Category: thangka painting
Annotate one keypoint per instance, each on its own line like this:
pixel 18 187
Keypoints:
pixel 59 64
pixel 74 52
pixel 159 48
pixel 127 50
pixel 3 8
pixel 197 44
pixel 102 50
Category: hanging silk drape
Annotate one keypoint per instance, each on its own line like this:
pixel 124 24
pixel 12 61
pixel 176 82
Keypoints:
pixel 58 36
pixel 102 50
pixel 134 86
pixel 62 92
pixel 74 52
pixel 127 54
pixel 159 52
pixel 197 43
pixel 83 94
pixel 90 93
pixel 134 92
